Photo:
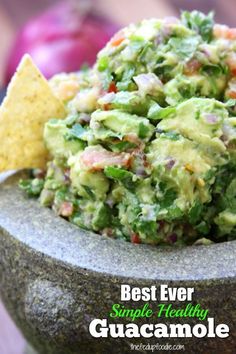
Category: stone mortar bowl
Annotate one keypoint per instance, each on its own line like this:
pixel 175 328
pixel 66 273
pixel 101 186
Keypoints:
pixel 56 278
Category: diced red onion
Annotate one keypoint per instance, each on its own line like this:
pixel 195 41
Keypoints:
pixel 161 224
pixel 67 175
pixel 148 83
pixel 173 238
pixel 108 98
pixel 228 131
pixel 206 50
pixel 140 171
pixel 110 202
pixel 84 118
pixel 211 118
pixel 38 173
pixel 170 164
pixel 62 39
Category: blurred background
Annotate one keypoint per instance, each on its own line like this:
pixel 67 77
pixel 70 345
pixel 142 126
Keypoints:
pixel 61 36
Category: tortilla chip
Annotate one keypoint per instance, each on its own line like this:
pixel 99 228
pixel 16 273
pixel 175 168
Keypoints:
pixel 29 104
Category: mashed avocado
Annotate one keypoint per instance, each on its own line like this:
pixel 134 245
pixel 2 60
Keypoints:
pixel 147 152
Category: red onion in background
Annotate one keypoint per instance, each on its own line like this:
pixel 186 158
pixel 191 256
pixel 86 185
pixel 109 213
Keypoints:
pixel 62 39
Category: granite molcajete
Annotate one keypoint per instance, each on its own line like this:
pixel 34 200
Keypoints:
pixel 55 279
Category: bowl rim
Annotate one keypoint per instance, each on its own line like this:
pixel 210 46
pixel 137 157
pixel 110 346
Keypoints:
pixel 25 221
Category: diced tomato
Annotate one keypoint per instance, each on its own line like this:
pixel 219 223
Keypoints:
pixel 66 209
pixel 231 94
pixel 134 238
pixel 133 138
pixel 67 89
pixel 99 159
pixel 188 167
pixel 106 106
pixel 117 39
pixel 108 231
pixel 221 31
pixel 112 87
pixel 192 67
pixel 231 33
pixel 231 61
pixel 231 90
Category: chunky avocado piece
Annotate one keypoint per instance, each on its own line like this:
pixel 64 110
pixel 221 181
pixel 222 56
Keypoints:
pixel 101 217
pixel 226 222
pixel 122 123
pixel 129 102
pixel 183 87
pixel 55 137
pixel 198 119
pixel 179 163
pixel 126 178
pixel 90 185
pixel 83 217
pixel 145 191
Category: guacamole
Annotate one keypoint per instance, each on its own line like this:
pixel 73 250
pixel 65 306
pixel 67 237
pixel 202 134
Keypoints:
pixel 147 152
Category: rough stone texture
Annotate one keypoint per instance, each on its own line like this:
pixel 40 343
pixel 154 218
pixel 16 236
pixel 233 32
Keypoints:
pixel 56 278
